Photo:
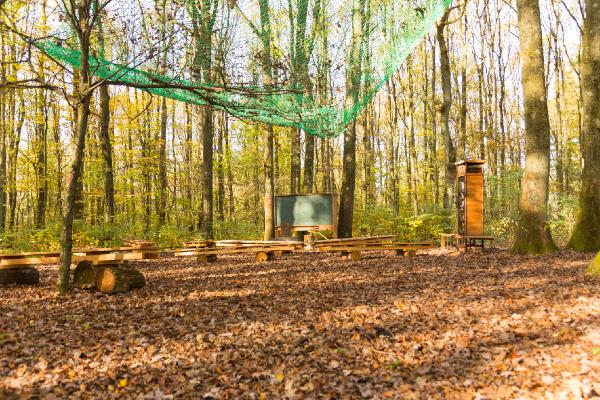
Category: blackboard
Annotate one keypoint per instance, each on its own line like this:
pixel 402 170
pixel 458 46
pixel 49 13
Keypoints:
pixel 305 210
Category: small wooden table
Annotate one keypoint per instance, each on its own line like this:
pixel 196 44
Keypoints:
pixel 464 242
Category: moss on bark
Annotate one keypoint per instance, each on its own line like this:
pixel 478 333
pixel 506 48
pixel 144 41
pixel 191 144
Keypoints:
pixel 594 268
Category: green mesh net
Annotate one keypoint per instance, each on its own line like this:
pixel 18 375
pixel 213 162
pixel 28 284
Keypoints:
pixel 326 52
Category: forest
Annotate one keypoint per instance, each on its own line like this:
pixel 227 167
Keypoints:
pixel 135 133
pixel 150 170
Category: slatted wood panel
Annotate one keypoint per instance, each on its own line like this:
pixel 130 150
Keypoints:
pixel 474 205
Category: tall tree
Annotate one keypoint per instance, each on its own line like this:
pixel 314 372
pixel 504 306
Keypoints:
pixel 203 18
pixel 353 82
pixel 444 112
pixel 268 141
pixel 82 20
pixel 533 234
pixel 586 235
pixel 105 140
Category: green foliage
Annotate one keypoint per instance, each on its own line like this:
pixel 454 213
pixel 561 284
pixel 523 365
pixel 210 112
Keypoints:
pixel 563 213
pixel 241 230
pixel 46 239
pixel 376 220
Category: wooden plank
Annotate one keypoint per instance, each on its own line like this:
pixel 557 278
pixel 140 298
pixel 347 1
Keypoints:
pixel 31 254
pixel 392 245
pixel 371 248
pixel 358 239
pixel 229 250
pixel 222 243
pixel 140 244
pixel 29 261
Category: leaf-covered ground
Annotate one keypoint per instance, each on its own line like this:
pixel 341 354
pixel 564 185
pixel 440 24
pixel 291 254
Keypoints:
pixel 440 325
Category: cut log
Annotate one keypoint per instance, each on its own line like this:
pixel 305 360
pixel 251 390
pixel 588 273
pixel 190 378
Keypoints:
pixel 203 258
pixel 410 253
pixel 19 276
pixel 263 256
pixel 84 274
pixel 116 279
pixel 352 255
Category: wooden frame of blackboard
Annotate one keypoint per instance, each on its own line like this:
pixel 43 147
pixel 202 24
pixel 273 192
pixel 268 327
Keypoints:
pixel 335 198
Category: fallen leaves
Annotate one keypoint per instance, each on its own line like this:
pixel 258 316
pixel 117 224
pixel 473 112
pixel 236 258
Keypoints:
pixel 487 325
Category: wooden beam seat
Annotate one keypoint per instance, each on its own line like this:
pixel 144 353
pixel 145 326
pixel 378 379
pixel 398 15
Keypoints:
pixel 353 250
pixel 94 255
pixel 263 250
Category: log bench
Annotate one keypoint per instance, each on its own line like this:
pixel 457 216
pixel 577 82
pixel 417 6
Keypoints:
pixel 263 250
pixel 352 248
pixel 9 263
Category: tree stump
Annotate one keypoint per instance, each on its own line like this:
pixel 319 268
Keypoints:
pixel 116 279
pixel 263 256
pixel 19 276
pixel 84 274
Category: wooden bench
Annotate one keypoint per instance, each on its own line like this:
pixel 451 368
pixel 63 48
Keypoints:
pixel 447 239
pixel 96 256
pixel 10 263
pixel 263 250
pixel 352 248
pixel 463 243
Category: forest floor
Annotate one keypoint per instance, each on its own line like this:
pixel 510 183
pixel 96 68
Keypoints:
pixel 439 325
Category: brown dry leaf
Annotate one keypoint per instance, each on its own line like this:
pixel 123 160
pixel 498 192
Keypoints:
pixel 492 325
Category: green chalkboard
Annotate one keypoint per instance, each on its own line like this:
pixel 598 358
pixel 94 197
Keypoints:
pixel 304 210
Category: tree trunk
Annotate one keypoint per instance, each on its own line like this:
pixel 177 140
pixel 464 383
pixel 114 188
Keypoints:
pixel 295 161
pixel 41 130
pixel 268 170
pixel 221 168
pixel 83 112
pixel 107 153
pixel 309 163
pixel 207 171
pixel 162 164
pixel 348 182
pixel 533 235
pixel 586 234
pixel 84 95
pixel 444 115
pixel 353 82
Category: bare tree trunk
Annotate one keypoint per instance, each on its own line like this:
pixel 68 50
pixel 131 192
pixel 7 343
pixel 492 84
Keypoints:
pixel 107 156
pixel 533 235
pixel 444 111
pixel 83 112
pixel 348 182
pixel 268 168
pixel 207 170
pixel 221 168
pixel 586 234
pixel 295 161
pixel 353 79
pixel 41 133
pixel 309 163
pixel 162 164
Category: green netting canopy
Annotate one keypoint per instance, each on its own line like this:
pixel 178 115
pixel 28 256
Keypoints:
pixel 326 48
